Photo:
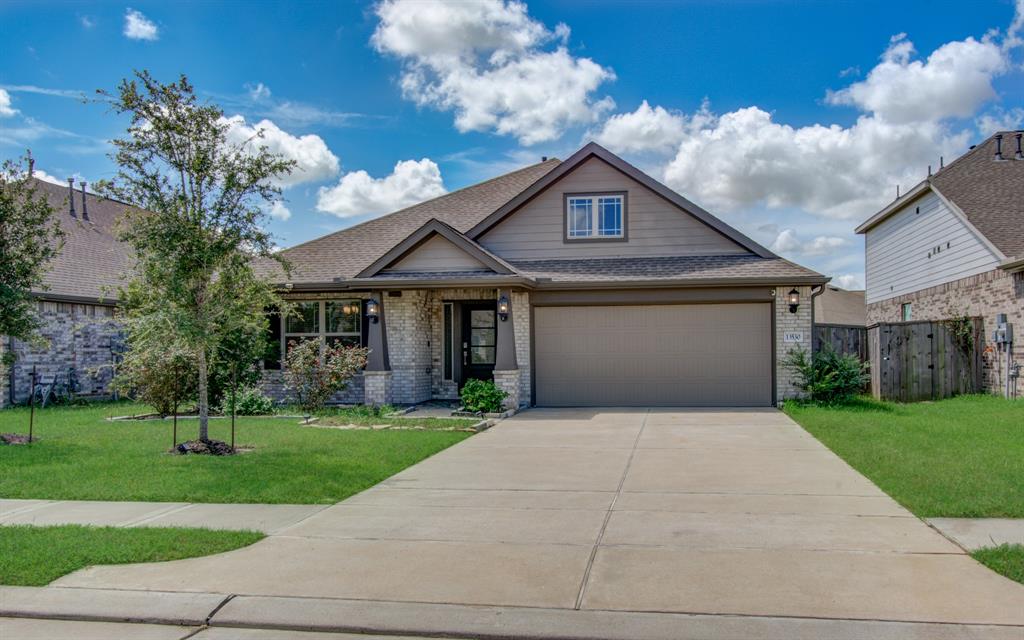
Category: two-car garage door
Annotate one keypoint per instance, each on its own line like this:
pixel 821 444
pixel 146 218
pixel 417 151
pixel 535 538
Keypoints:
pixel 654 355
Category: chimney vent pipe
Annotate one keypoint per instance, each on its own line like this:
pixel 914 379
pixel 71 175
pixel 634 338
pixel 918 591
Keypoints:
pixel 71 196
pixel 85 208
pixel 1020 153
pixel 31 166
pixel 999 147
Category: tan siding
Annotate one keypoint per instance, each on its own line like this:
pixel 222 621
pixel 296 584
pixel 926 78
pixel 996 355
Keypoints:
pixel 655 227
pixel 437 254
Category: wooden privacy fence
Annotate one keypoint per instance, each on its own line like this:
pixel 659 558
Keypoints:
pixel 913 361
pixel 844 339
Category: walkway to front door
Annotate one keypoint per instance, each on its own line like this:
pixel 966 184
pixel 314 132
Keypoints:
pixel 566 511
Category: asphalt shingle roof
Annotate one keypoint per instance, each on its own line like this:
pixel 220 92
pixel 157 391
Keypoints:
pixel 663 268
pixel 92 259
pixel 989 192
pixel 347 252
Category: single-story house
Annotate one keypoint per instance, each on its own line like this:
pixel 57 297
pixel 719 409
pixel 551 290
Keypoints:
pixel 953 245
pixel 582 282
pixel 81 335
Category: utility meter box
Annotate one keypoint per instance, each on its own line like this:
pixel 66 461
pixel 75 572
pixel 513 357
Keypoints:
pixel 1003 333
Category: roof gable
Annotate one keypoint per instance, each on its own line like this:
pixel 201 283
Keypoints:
pixel 594 150
pixel 429 233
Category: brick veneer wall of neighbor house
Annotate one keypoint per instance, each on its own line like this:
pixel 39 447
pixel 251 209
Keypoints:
pixel 983 295
pixel 82 336
pixel 795 323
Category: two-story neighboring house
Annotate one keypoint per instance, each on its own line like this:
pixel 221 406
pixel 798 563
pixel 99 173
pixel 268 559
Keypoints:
pixel 581 282
pixel 79 331
pixel 954 244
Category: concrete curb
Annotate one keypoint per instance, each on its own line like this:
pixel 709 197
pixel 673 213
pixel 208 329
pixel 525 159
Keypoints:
pixel 504 623
pixel 106 605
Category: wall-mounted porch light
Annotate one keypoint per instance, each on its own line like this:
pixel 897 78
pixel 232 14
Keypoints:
pixel 373 311
pixel 503 308
pixel 793 298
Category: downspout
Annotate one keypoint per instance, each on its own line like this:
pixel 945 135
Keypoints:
pixel 10 374
pixel 815 292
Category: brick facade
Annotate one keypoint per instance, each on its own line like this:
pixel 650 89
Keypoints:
pixel 85 337
pixel 795 323
pixel 984 296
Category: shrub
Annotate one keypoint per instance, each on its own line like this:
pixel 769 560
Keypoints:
pixel 251 402
pixel 158 376
pixel 314 373
pixel 482 396
pixel 828 377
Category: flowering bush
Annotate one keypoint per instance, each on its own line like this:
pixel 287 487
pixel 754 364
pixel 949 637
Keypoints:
pixel 314 373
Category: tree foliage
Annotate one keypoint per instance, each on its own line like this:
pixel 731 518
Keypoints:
pixel 314 372
pixel 30 237
pixel 199 225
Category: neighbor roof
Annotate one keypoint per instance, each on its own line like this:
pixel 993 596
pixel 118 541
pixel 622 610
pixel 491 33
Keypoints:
pixel 91 261
pixel 839 306
pixel 989 193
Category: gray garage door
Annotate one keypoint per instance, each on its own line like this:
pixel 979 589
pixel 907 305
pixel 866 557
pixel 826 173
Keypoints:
pixel 654 355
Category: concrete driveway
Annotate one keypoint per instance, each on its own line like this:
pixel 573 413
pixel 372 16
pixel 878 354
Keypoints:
pixel 716 512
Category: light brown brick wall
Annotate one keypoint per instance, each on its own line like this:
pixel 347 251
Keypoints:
pixel 787 322
pixel 984 296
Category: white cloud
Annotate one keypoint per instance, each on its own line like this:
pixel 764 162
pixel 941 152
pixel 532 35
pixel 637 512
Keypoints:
pixel 258 91
pixel 487 62
pixel 848 281
pixel 279 211
pixel 315 162
pixel 139 27
pixel 789 242
pixel 46 177
pixel 358 194
pixel 6 110
pixel 1000 120
pixel 646 129
pixel 954 81
pixel 87 21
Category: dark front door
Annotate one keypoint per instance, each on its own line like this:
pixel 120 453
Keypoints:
pixel 479 341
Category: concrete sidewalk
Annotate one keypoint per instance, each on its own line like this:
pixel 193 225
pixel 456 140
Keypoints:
pixel 268 518
pixel 586 524
pixel 977 533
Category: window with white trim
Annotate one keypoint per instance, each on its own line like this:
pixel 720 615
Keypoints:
pixel 598 216
pixel 332 322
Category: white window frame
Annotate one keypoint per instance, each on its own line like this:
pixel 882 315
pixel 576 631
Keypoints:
pixel 593 232
pixel 322 334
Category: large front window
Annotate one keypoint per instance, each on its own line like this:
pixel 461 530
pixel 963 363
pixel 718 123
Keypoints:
pixel 595 217
pixel 332 322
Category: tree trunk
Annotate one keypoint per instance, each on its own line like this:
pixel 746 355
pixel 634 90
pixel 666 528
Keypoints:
pixel 204 405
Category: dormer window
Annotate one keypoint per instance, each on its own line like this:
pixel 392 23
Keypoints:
pixel 595 216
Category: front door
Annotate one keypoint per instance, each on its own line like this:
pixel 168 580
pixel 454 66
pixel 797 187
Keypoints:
pixel 479 341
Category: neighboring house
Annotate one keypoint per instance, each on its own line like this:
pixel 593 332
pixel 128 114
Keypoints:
pixel 77 308
pixel 575 283
pixel 840 307
pixel 954 244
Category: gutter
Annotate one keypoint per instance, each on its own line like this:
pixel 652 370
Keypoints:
pixel 1013 265
pixel 106 302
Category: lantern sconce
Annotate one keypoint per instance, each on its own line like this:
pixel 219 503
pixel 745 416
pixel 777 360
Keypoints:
pixel 373 311
pixel 503 308
pixel 793 298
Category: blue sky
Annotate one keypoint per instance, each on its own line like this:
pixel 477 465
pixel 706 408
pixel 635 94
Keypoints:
pixel 791 120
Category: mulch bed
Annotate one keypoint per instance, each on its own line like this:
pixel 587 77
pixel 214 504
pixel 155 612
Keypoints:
pixel 204 447
pixel 14 438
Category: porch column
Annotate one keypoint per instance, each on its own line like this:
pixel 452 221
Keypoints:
pixel 506 367
pixel 377 375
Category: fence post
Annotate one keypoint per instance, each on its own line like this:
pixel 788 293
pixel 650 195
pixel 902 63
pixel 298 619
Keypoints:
pixel 31 403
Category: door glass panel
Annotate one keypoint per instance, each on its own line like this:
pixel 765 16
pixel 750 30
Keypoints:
pixel 482 338
pixel 481 355
pixel 481 318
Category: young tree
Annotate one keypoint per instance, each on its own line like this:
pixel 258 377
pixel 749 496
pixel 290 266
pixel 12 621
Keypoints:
pixel 30 236
pixel 200 223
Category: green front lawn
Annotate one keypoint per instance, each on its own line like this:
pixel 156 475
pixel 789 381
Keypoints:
pixel 958 458
pixel 1007 559
pixel 81 456
pixel 35 556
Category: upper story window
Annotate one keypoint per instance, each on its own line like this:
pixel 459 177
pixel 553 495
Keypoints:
pixel 598 216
